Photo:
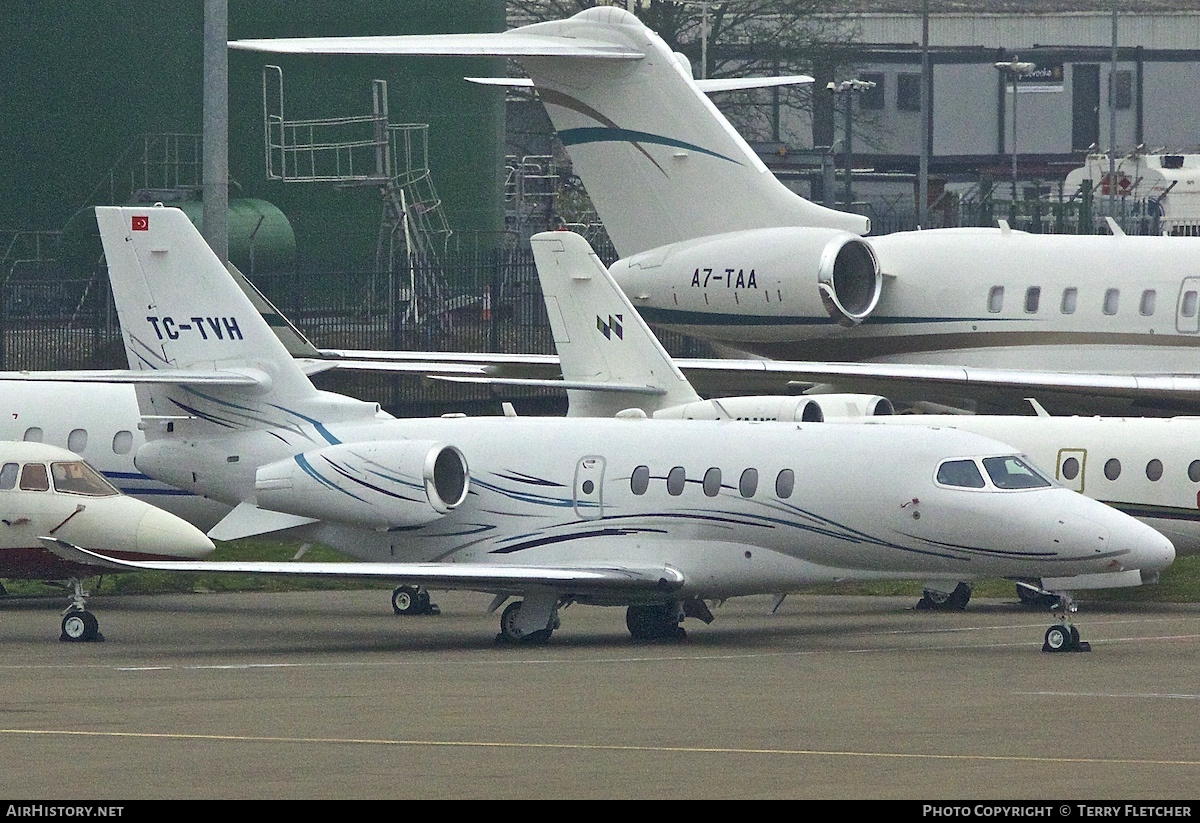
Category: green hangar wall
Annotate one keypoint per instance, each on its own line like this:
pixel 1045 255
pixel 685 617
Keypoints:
pixel 82 80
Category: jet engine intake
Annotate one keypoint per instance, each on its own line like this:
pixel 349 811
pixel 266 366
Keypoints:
pixel 379 485
pixel 770 407
pixel 849 280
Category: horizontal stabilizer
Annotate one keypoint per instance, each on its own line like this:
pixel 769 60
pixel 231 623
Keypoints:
pixel 471 576
pixel 248 520
pixel 707 86
pixel 503 44
pixel 178 377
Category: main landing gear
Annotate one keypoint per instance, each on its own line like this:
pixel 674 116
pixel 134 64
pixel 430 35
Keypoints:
pixel 659 622
pixel 410 600
pixel 940 600
pixel 1064 636
pixel 78 624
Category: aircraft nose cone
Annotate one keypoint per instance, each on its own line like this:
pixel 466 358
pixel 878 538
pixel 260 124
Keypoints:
pixel 1154 551
pixel 163 533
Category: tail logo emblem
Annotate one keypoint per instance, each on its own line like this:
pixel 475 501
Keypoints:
pixel 139 222
pixel 613 326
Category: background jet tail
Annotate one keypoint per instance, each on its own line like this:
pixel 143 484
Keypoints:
pixel 599 336
pixel 660 162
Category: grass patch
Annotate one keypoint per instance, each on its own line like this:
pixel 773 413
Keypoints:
pixel 1180 583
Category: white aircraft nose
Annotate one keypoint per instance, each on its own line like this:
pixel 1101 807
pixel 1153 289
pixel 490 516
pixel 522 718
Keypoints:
pixel 1154 551
pixel 162 533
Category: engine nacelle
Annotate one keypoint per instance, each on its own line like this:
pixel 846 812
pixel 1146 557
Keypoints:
pixel 839 406
pixel 779 407
pixel 378 485
pixel 811 408
pixel 768 265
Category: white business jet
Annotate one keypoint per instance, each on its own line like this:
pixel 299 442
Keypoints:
pixel 1146 467
pixel 713 245
pixel 50 498
pixel 654 515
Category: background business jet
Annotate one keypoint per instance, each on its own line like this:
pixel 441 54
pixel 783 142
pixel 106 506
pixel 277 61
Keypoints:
pixel 50 498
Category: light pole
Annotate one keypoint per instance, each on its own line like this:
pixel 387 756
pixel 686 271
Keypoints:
pixel 1014 69
pixel 846 90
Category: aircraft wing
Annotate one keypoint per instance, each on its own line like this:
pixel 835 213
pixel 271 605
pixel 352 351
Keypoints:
pixel 494 578
pixel 502 44
pixel 1002 389
pixel 185 377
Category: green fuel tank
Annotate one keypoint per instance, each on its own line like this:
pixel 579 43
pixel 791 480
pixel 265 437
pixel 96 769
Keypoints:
pixel 260 237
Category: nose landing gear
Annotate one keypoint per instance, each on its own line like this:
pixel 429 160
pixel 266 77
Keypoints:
pixel 78 624
pixel 1064 637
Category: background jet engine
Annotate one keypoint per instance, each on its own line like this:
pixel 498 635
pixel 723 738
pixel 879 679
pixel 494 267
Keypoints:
pixel 800 408
pixel 375 485
pixel 762 265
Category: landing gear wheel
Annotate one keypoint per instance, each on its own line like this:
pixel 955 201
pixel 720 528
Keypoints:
pixel 406 600
pixel 80 627
pixel 654 623
pixel 1059 639
pixel 410 600
pixel 956 600
pixel 509 633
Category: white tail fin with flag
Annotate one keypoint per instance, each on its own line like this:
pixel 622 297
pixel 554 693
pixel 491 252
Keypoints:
pixel 660 162
pixel 221 367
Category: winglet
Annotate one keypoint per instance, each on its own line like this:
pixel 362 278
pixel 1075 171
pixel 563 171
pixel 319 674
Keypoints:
pixel 599 335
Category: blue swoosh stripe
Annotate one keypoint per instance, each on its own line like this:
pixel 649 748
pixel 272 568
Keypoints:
pixel 602 134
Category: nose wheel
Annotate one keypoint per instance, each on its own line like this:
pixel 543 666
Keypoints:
pixel 1064 636
pixel 78 624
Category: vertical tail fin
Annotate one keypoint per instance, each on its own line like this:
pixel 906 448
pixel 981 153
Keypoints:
pixel 658 159
pixel 599 335
pixel 181 312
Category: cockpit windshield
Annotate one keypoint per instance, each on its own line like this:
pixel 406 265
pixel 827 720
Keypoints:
pixel 77 477
pixel 1013 473
pixel 963 473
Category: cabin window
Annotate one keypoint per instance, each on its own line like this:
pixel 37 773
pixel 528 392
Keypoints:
pixel 77 477
pixel 639 481
pixel 962 473
pixel 785 483
pixel 1154 470
pixel 748 484
pixel 33 434
pixel 1112 299
pixel 1070 468
pixel 1033 296
pixel 1070 298
pixel 676 479
pixel 996 299
pixel 1194 471
pixel 77 440
pixel 712 482
pixel 8 476
pixel 1187 306
pixel 1013 473
pixel 122 442
pixel 1112 469
pixel 1146 307
pixel 34 478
